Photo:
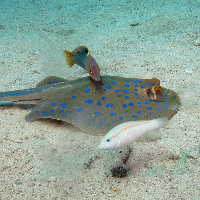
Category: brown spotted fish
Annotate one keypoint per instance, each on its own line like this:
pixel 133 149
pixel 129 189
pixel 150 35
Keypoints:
pixel 97 107
pixel 82 57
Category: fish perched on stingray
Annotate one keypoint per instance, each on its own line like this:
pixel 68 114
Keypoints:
pixel 97 107
pixel 82 57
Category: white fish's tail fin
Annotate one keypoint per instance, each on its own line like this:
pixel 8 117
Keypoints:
pixel 162 122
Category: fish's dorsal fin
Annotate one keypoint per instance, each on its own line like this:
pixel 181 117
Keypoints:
pixel 50 80
pixel 68 56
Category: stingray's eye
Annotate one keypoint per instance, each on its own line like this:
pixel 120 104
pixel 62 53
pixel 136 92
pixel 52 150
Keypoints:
pixel 108 140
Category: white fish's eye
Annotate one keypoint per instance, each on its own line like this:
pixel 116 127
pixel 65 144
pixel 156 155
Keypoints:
pixel 108 140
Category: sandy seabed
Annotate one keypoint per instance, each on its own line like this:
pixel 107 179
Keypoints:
pixel 47 159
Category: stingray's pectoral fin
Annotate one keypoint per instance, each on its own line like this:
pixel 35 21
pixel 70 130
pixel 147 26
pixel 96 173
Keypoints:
pixel 50 80
pixel 32 116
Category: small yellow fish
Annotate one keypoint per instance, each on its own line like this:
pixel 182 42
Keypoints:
pixel 81 56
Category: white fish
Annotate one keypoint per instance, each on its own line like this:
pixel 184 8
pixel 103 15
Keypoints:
pixel 128 132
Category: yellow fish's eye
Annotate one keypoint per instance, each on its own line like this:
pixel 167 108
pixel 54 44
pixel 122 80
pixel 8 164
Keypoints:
pixel 87 51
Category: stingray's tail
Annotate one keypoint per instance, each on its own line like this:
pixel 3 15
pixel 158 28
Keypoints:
pixel 27 96
pixel 32 95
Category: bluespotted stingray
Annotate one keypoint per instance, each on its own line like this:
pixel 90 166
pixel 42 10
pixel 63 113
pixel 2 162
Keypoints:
pixel 97 107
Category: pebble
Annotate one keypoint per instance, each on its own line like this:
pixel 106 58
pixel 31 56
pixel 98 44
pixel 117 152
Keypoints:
pixel 197 42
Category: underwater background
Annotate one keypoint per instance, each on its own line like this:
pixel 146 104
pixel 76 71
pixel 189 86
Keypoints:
pixel 47 159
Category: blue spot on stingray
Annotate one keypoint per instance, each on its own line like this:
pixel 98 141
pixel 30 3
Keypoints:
pixel 97 113
pixel 99 104
pixel 134 116
pixel 154 84
pixel 136 85
pixel 50 114
pixel 131 104
pixel 150 113
pixel 104 119
pixel 59 100
pixel 139 81
pixel 79 109
pixel 87 90
pixel 43 106
pixel 112 114
pixel 119 95
pixel 136 90
pixel 120 118
pixel 96 89
pixel 146 116
pixel 52 104
pixel 158 103
pixel 108 87
pixel 126 111
pixel 135 93
pixel 92 120
pixel 139 102
pixel 86 120
pixel 109 105
pixel 126 85
pixel 88 101
pixel 61 111
pixel 159 110
pixel 64 115
pixel 38 115
pixel 63 105
pixel 52 111
pixel 113 121
pixel 116 91
pixel 139 112
pixel 49 82
pixel 104 89
pixel 44 113
pixel 127 81
pixel 100 83
pixel 103 98
pixel 126 97
pixel 142 86
pixel 74 97
pixel 101 123
pixel 83 114
pixel 69 112
pixel 134 80
pixel 149 108
pixel 146 102
pixel 126 91
pixel 124 105
pixel 37 111
pixel 113 83
pixel 141 105
pixel 76 118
